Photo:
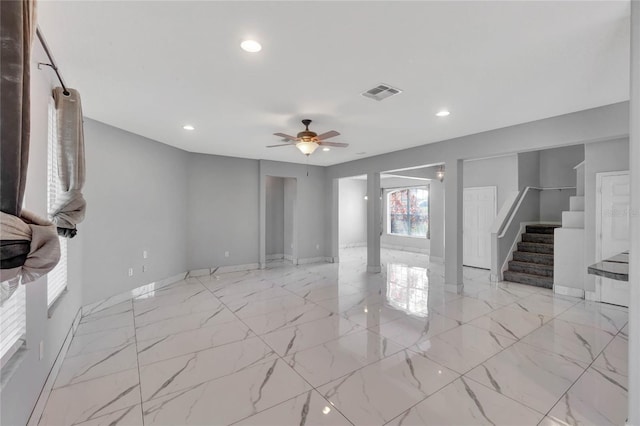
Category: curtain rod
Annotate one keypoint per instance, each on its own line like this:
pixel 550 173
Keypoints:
pixel 53 63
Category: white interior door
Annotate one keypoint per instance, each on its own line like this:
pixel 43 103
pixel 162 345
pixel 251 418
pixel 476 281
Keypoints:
pixel 479 211
pixel 613 230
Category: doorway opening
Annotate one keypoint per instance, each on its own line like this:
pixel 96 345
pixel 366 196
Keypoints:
pixel 281 227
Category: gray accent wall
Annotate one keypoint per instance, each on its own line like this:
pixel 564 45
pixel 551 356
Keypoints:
pixel 136 194
pixel 501 172
pixel 557 170
pixel 222 211
pixel 353 212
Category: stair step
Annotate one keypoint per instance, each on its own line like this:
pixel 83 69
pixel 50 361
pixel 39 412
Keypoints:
pixel 573 219
pixel 540 258
pixel 536 248
pixel 576 204
pixel 537 238
pixel 531 268
pixel 522 278
pixel 541 229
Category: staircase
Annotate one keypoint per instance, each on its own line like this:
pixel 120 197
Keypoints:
pixel 532 263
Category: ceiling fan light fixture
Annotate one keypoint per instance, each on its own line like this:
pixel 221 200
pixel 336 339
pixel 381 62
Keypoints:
pixel 440 174
pixel 307 147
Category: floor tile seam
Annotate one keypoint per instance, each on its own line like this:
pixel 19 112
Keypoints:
pixel 83 320
pixel 202 382
pixel 417 342
pixel 155 323
pixel 129 340
pixel 587 326
pixel 575 381
pixel 201 350
pixel 192 330
pixel 96 377
pixel 107 414
pixel 135 336
pixel 361 328
pixel 542 413
pixel 160 290
pixel 590 325
pixel 163 300
pixel 102 330
pixel 460 376
pixel 290 399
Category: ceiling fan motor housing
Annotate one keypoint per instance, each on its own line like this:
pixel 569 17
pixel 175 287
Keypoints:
pixel 307 134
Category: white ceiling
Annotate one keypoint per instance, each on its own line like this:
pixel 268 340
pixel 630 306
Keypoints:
pixel 151 66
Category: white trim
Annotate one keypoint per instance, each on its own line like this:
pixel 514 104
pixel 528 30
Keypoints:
pixel 199 273
pixel 517 240
pixel 237 268
pixel 353 245
pixel 579 165
pixel 41 403
pixel 276 256
pixel 307 260
pixel 405 248
pixel 568 291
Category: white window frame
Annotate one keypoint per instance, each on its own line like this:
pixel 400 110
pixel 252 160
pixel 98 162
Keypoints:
pixel 58 277
pixel 388 213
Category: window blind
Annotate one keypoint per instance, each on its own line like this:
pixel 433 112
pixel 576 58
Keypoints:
pixel 57 278
pixel 12 324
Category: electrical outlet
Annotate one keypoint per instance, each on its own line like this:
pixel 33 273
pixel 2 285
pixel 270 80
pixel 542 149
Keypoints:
pixel 317 246
pixel 226 254
pixel 144 268
pixel 145 254
pixel 130 272
pixel 41 349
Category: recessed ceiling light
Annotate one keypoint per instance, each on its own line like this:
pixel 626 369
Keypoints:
pixel 443 113
pixel 188 127
pixel 325 149
pixel 251 46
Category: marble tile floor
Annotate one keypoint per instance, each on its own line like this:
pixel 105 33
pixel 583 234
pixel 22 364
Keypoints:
pixel 329 344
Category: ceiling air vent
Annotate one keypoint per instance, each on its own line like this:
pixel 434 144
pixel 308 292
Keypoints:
pixel 380 92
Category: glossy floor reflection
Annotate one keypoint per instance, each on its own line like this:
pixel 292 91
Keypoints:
pixel 329 344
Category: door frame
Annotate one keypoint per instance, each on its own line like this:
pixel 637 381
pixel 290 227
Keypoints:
pixel 599 176
pixel 495 213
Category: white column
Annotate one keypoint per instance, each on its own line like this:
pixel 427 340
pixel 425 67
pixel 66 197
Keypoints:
pixel 262 212
pixel 374 207
pixel 453 191
pixel 634 217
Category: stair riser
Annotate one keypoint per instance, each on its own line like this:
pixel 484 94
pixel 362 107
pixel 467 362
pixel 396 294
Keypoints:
pixel 532 268
pixel 535 248
pixel 540 229
pixel 544 282
pixel 538 238
pixel 532 258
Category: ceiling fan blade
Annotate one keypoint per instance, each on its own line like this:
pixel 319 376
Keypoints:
pixel 274 146
pixel 327 135
pixel 282 135
pixel 336 144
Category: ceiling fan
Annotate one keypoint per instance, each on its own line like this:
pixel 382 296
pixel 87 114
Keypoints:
pixel 307 141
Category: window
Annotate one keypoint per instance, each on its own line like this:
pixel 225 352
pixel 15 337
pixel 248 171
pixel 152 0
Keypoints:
pixel 13 318
pixel 408 212
pixel 57 278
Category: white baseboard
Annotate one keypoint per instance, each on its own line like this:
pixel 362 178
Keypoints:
pixel 36 414
pixel 591 296
pixel 237 268
pixel 405 248
pixel 274 256
pixel 307 260
pixel 374 269
pixel 288 257
pixel 353 245
pixel 330 259
pixel 568 291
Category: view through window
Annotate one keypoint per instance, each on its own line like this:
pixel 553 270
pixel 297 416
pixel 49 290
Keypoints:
pixel 408 212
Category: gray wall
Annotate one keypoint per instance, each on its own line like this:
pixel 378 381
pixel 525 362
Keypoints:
pixel 353 212
pixel 136 195
pixel 222 211
pixel 528 169
pixel 556 170
pixel 610 156
pixel 501 172
pixel 275 216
